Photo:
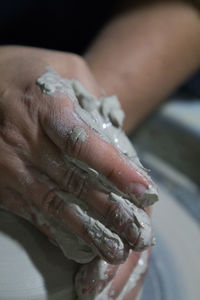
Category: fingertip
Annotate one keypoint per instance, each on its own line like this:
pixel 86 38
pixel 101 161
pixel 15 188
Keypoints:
pixel 92 278
pixel 113 253
pixel 108 244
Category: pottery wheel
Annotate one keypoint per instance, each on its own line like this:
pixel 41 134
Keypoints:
pixel 30 266
pixel 174 269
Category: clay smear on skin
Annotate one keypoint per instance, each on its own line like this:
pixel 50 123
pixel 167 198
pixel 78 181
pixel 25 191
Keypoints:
pixel 138 271
pixel 103 115
pixel 106 118
pixel 78 134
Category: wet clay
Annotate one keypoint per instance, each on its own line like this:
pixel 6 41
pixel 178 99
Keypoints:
pixel 105 117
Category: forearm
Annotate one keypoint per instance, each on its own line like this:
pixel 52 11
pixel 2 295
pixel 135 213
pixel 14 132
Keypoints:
pixel 143 55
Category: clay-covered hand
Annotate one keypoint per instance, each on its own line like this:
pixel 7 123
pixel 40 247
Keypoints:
pixel 100 280
pixel 48 152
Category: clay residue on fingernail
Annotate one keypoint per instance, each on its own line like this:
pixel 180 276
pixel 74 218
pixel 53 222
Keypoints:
pixel 149 197
pixel 108 244
pixel 145 196
pixel 133 233
pixel 146 236
pixel 140 230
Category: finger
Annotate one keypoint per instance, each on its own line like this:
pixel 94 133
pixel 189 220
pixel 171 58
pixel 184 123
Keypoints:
pixel 132 271
pixel 123 275
pixel 15 183
pixel 123 217
pixel 129 222
pixel 93 278
pixel 46 196
pixel 37 189
pixel 50 161
pixel 75 139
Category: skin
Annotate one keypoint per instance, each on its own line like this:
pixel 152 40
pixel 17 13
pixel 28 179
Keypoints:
pixel 31 121
pixel 35 135
pixel 151 49
pixel 143 47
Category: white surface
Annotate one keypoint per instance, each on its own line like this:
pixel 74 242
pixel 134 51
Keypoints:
pixel 30 267
pixel 181 234
pixel 186 113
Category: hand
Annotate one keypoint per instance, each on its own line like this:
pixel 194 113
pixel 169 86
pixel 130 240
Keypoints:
pixel 36 132
pixel 100 280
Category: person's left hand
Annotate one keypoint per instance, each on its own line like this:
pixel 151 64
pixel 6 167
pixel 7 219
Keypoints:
pixel 100 280
pixel 36 132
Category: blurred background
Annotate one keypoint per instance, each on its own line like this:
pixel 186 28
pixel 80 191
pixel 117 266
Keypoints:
pixel 169 145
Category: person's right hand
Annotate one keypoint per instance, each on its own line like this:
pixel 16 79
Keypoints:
pixel 35 134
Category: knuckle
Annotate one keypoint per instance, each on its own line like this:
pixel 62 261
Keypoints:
pixel 6 92
pixel 75 182
pixel 11 200
pixel 30 102
pixel 116 217
pixel 12 137
pixel 52 204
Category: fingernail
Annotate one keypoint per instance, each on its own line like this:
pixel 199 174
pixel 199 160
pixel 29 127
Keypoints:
pixel 137 189
pixel 108 244
pixel 132 234
pixel 146 196
pixel 112 250
pixel 150 196
pixel 145 241
pixel 146 236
